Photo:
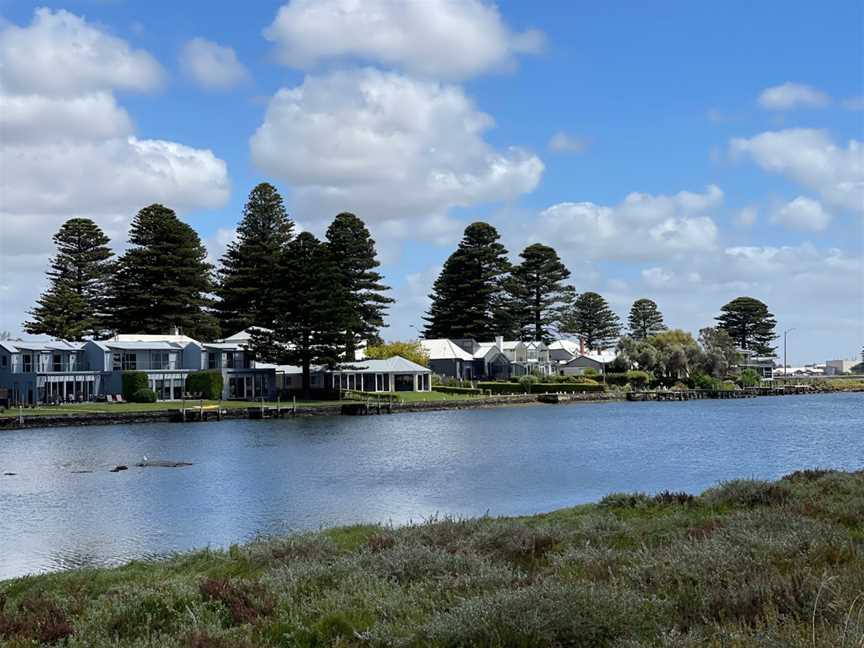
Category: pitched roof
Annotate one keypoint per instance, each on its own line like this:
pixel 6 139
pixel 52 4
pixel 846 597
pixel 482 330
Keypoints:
pixel 444 349
pixel 569 346
pixel 393 364
pixel 39 345
pixel 148 337
pixel 159 345
pixel 484 348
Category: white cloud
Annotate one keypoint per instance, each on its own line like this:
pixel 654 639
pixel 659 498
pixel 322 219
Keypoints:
pixel 438 38
pixel 789 96
pixel 803 214
pixel 397 151
pixel 812 159
pixel 70 149
pixel 747 217
pixel 59 54
pixel 211 65
pixel 642 227
pixel 561 142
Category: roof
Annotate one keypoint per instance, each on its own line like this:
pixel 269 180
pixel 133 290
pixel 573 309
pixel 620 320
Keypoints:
pixel 601 357
pixel 146 337
pixel 444 349
pixel 142 346
pixel 509 345
pixel 231 346
pixel 483 349
pixel 393 364
pixel 569 346
pixel 40 345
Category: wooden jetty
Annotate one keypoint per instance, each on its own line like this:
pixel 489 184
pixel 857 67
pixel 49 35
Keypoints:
pixel 366 409
pixel 698 394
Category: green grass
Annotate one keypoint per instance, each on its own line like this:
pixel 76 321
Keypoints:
pixel 748 563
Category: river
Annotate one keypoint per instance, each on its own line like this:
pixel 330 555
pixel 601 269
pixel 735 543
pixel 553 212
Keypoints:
pixel 264 477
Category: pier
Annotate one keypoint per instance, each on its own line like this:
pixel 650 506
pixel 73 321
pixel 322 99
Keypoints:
pixel 698 394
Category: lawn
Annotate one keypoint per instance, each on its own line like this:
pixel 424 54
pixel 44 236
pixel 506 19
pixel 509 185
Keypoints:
pixel 747 563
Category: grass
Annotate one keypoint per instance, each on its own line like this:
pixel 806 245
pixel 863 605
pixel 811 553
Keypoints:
pixel 748 563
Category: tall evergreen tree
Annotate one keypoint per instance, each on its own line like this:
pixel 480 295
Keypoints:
pixel 468 298
pixel 73 306
pixel 749 323
pixel 539 294
pixel 645 319
pixel 354 250
pixel 249 267
pixel 163 280
pixel 591 319
pixel 312 310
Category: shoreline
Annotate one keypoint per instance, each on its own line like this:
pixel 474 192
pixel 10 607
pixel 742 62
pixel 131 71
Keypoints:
pixel 35 421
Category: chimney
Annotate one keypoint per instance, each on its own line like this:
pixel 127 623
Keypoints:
pixel 175 330
pixel 581 345
pixel 499 342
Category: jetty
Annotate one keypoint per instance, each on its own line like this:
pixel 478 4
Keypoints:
pixel 698 394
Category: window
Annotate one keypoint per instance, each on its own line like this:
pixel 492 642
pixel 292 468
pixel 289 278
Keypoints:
pixel 159 360
pixel 229 360
pixel 211 360
pixel 116 361
pixel 130 361
pixel 5 361
pixel 28 362
pixel 56 362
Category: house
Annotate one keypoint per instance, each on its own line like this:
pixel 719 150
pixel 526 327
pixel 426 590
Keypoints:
pixel 838 367
pixel 166 363
pixel 47 372
pixel 446 358
pixel 562 351
pixel 764 366
pixel 589 360
pixel 490 362
pixel 395 374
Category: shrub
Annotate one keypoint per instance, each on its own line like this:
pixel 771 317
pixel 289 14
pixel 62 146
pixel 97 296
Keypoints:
pixel 570 388
pixel 133 381
pixel 527 381
pixel 444 389
pixel 503 388
pixel 749 378
pixel 590 372
pixel 207 383
pixel 638 379
pixel 145 395
pixel 616 379
pixel 728 385
pixel 704 381
pixel 747 493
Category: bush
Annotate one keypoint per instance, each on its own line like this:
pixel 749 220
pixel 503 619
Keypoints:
pixel 527 381
pixel 728 385
pixel 540 388
pixel 444 389
pixel 704 381
pixel 207 383
pixel 133 381
pixel 638 379
pixel 749 378
pixel 616 379
pixel 145 395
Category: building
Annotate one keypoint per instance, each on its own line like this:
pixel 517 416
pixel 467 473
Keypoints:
pixel 838 367
pixel 577 365
pixel 446 358
pixel 395 374
pixel 47 372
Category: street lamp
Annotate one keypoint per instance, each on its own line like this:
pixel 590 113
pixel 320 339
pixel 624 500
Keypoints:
pixel 785 364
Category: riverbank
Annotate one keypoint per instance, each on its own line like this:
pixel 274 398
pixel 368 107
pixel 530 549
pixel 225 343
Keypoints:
pixel 747 563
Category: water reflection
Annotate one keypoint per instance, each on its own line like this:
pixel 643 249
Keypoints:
pixel 253 477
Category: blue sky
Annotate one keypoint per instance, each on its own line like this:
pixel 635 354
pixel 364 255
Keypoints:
pixel 703 152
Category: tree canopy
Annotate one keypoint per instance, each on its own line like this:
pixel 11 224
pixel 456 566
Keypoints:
pixel 248 269
pixel 645 319
pixel 591 319
pixel 538 294
pixel 73 306
pixel 412 351
pixel 163 280
pixel 468 299
pixel 749 323
pixel 353 248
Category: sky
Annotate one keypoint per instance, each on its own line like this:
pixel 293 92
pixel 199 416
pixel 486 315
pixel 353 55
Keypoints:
pixel 685 152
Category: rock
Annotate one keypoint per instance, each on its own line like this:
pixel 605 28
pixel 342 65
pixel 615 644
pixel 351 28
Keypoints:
pixel 162 464
pixel 9 474
pixel 81 472
pixel 119 468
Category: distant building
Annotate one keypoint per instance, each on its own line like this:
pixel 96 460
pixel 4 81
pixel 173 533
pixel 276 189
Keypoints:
pixel 577 365
pixel 838 367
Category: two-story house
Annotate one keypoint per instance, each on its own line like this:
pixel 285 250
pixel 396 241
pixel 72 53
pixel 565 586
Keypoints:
pixel 47 372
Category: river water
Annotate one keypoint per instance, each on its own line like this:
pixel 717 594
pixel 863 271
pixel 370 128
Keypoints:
pixel 264 477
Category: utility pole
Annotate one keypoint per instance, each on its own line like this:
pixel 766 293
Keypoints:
pixel 785 363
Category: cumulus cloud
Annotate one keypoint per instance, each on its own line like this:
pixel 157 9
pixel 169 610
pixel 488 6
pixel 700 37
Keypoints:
pixel 212 66
pixel 789 96
pixel 437 38
pixel 71 150
pixel 803 214
pixel 641 227
pixel 561 142
pixel 398 151
pixel 812 159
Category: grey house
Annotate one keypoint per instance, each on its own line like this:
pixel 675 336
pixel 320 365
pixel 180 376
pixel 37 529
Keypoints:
pixel 47 372
pixel 446 358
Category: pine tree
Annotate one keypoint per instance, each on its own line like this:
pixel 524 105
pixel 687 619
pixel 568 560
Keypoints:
pixel 538 294
pixel 749 323
pixel 311 310
pixel 591 318
pixel 468 297
pixel 645 319
pixel 352 247
pixel 248 269
pixel 163 280
pixel 73 306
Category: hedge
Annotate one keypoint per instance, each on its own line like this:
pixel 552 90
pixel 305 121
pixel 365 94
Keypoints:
pixel 617 379
pixel 540 388
pixel 133 381
pixel 207 383
pixel 145 395
pixel 444 389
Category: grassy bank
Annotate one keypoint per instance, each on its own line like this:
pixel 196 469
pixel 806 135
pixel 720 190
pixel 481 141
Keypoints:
pixel 748 563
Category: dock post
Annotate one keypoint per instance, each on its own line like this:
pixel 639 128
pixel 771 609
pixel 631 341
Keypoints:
pixel 294 406
pixel 219 411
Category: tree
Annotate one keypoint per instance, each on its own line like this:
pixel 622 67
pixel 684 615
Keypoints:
pixel 354 249
pixel 311 310
pixel 412 351
pixel 468 299
pixel 73 306
pixel 591 319
pixel 645 319
pixel 721 356
pixel 248 268
pixel 678 354
pixel 537 292
pixel 749 323
pixel 163 280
